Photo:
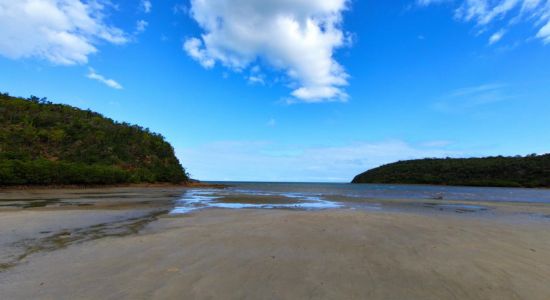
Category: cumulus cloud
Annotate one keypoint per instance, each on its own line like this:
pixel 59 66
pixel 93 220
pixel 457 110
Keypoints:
pixel 92 74
pixel 63 32
pixel 487 12
pixel 298 37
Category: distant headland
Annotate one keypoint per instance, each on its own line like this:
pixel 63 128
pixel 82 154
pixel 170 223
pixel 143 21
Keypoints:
pixel 530 171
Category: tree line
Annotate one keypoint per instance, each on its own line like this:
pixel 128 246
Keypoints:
pixel 46 143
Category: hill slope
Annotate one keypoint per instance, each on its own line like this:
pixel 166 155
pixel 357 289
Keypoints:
pixel 44 143
pixel 529 171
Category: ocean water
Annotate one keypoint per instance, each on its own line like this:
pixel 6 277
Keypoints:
pixel 314 196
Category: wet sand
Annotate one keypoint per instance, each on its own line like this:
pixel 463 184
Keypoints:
pixel 143 253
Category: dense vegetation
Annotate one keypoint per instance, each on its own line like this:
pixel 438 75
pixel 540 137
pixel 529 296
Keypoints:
pixel 529 171
pixel 44 143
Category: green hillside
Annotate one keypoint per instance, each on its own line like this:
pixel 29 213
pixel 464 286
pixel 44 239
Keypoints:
pixel 42 143
pixel 528 171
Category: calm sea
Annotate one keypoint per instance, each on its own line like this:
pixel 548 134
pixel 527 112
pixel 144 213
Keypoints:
pixel 335 195
pixel 395 191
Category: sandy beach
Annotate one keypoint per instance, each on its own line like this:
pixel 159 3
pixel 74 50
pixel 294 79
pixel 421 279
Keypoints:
pixel 128 247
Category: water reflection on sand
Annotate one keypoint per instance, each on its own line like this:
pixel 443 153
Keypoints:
pixel 318 196
pixel 238 199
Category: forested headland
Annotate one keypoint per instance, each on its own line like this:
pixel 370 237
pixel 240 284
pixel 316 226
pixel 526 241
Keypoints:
pixel 519 171
pixel 42 143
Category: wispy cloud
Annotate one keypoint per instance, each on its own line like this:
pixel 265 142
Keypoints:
pixel 429 2
pixel 497 36
pixel 437 144
pixel 475 90
pixel 471 97
pixel 503 14
pixel 237 160
pixel 92 74
pixel 256 76
pixel 298 38
pixel 180 8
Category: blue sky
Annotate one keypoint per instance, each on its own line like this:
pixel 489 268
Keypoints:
pixel 305 90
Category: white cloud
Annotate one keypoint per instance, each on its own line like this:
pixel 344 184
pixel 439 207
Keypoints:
pixel 264 161
pixel 141 25
pixel 488 13
pixel 146 6
pixel 194 48
pixel 297 37
pixel 495 37
pixel 92 74
pixel 63 32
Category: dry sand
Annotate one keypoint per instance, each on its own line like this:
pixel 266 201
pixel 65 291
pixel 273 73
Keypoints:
pixel 280 254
